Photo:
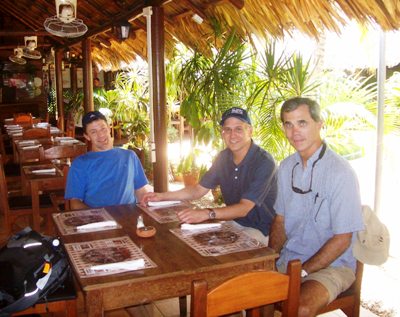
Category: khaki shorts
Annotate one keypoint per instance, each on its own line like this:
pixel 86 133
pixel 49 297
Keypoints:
pixel 335 279
pixel 252 232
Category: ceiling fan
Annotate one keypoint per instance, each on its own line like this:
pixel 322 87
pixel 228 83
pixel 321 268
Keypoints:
pixel 65 23
pixel 29 51
pixel 17 57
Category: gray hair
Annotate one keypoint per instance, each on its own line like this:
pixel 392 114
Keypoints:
pixel 293 103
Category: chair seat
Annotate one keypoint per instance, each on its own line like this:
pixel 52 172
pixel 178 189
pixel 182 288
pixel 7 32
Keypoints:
pixel 11 169
pixel 25 202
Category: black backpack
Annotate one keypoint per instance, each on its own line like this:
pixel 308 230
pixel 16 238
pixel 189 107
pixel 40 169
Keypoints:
pixel 32 266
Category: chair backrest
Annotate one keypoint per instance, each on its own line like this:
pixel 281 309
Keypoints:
pixel 24 118
pixel 349 301
pixel 36 133
pixel 249 291
pixel 61 151
pixel 4 208
pixel 3 148
pixel 70 128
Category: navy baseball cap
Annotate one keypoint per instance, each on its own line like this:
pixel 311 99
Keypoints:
pixel 92 116
pixel 236 112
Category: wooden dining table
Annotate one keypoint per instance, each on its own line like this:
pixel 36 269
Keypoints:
pixel 37 183
pixel 28 150
pixel 177 265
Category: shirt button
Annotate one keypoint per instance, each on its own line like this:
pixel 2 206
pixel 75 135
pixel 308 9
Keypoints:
pixel 236 169
pixel 235 177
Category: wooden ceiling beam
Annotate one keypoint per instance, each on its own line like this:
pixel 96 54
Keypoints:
pixel 103 41
pixel 195 9
pixel 23 33
pixel 182 15
pixel 133 12
pixel 22 16
pixel 238 3
pixel 11 47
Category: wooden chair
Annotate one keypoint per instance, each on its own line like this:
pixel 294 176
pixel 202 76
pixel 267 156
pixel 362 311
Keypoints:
pixel 249 291
pixel 12 170
pixel 23 118
pixel 36 133
pixel 63 302
pixel 61 204
pixel 70 127
pixel 61 151
pixel 349 301
pixel 13 207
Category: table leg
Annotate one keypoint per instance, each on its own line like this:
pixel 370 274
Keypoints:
pixel 182 306
pixel 94 304
pixel 35 206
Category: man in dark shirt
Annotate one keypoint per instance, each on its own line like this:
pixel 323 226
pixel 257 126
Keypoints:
pixel 246 175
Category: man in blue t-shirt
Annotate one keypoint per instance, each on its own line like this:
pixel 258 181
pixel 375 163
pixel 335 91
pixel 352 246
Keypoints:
pixel 105 176
pixel 246 175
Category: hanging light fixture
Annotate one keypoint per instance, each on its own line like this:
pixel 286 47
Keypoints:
pixel 123 30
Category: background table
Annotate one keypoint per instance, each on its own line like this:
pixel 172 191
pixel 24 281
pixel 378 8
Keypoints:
pixel 177 265
pixel 40 183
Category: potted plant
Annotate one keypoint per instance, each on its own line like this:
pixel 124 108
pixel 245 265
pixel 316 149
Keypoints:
pixel 188 169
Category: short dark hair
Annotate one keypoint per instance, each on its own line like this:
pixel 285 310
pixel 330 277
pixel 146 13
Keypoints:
pixel 92 116
pixel 293 103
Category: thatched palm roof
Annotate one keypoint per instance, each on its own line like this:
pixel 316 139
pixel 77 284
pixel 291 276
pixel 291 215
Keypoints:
pixel 264 18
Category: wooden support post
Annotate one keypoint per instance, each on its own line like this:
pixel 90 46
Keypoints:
pixel 160 167
pixel 87 76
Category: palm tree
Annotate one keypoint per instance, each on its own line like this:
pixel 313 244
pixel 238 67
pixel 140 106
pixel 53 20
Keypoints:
pixel 212 84
pixel 279 78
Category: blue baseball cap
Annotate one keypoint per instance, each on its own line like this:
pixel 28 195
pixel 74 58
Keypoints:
pixel 92 116
pixel 235 112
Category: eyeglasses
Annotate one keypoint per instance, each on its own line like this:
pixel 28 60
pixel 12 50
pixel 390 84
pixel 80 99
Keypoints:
pixel 300 191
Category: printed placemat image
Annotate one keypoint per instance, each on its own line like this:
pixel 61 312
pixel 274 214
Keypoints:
pixel 82 221
pixel 107 256
pixel 213 242
pixel 165 214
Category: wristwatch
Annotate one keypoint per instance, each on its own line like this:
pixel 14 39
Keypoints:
pixel 304 273
pixel 211 213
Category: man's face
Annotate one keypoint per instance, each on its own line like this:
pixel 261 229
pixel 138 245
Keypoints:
pixel 236 134
pixel 98 132
pixel 302 131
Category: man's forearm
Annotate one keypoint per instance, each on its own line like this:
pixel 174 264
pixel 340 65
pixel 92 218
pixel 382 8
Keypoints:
pixel 329 252
pixel 186 193
pixel 277 234
pixel 77 204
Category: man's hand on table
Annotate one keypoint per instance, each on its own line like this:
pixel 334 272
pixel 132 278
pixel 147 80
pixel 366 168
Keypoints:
pixel 192 215
pixel 150 196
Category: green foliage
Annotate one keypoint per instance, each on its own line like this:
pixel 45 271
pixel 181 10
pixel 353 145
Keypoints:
pixel 279 77
pixel 213 84
pixel 73 102
pixel 128 102
pixel 187 164
pixel 392 103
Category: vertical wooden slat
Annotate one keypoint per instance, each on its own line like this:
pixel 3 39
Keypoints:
pixel 59 88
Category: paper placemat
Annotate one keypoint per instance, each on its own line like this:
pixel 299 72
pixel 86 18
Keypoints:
pixel 213 242
pixel 85 255
pixel 165 214
pixel 67 222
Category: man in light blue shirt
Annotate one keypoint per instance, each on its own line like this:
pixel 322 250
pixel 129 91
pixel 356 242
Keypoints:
pixel 318 209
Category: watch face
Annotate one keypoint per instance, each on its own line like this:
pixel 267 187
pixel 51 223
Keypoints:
pixel 212 214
